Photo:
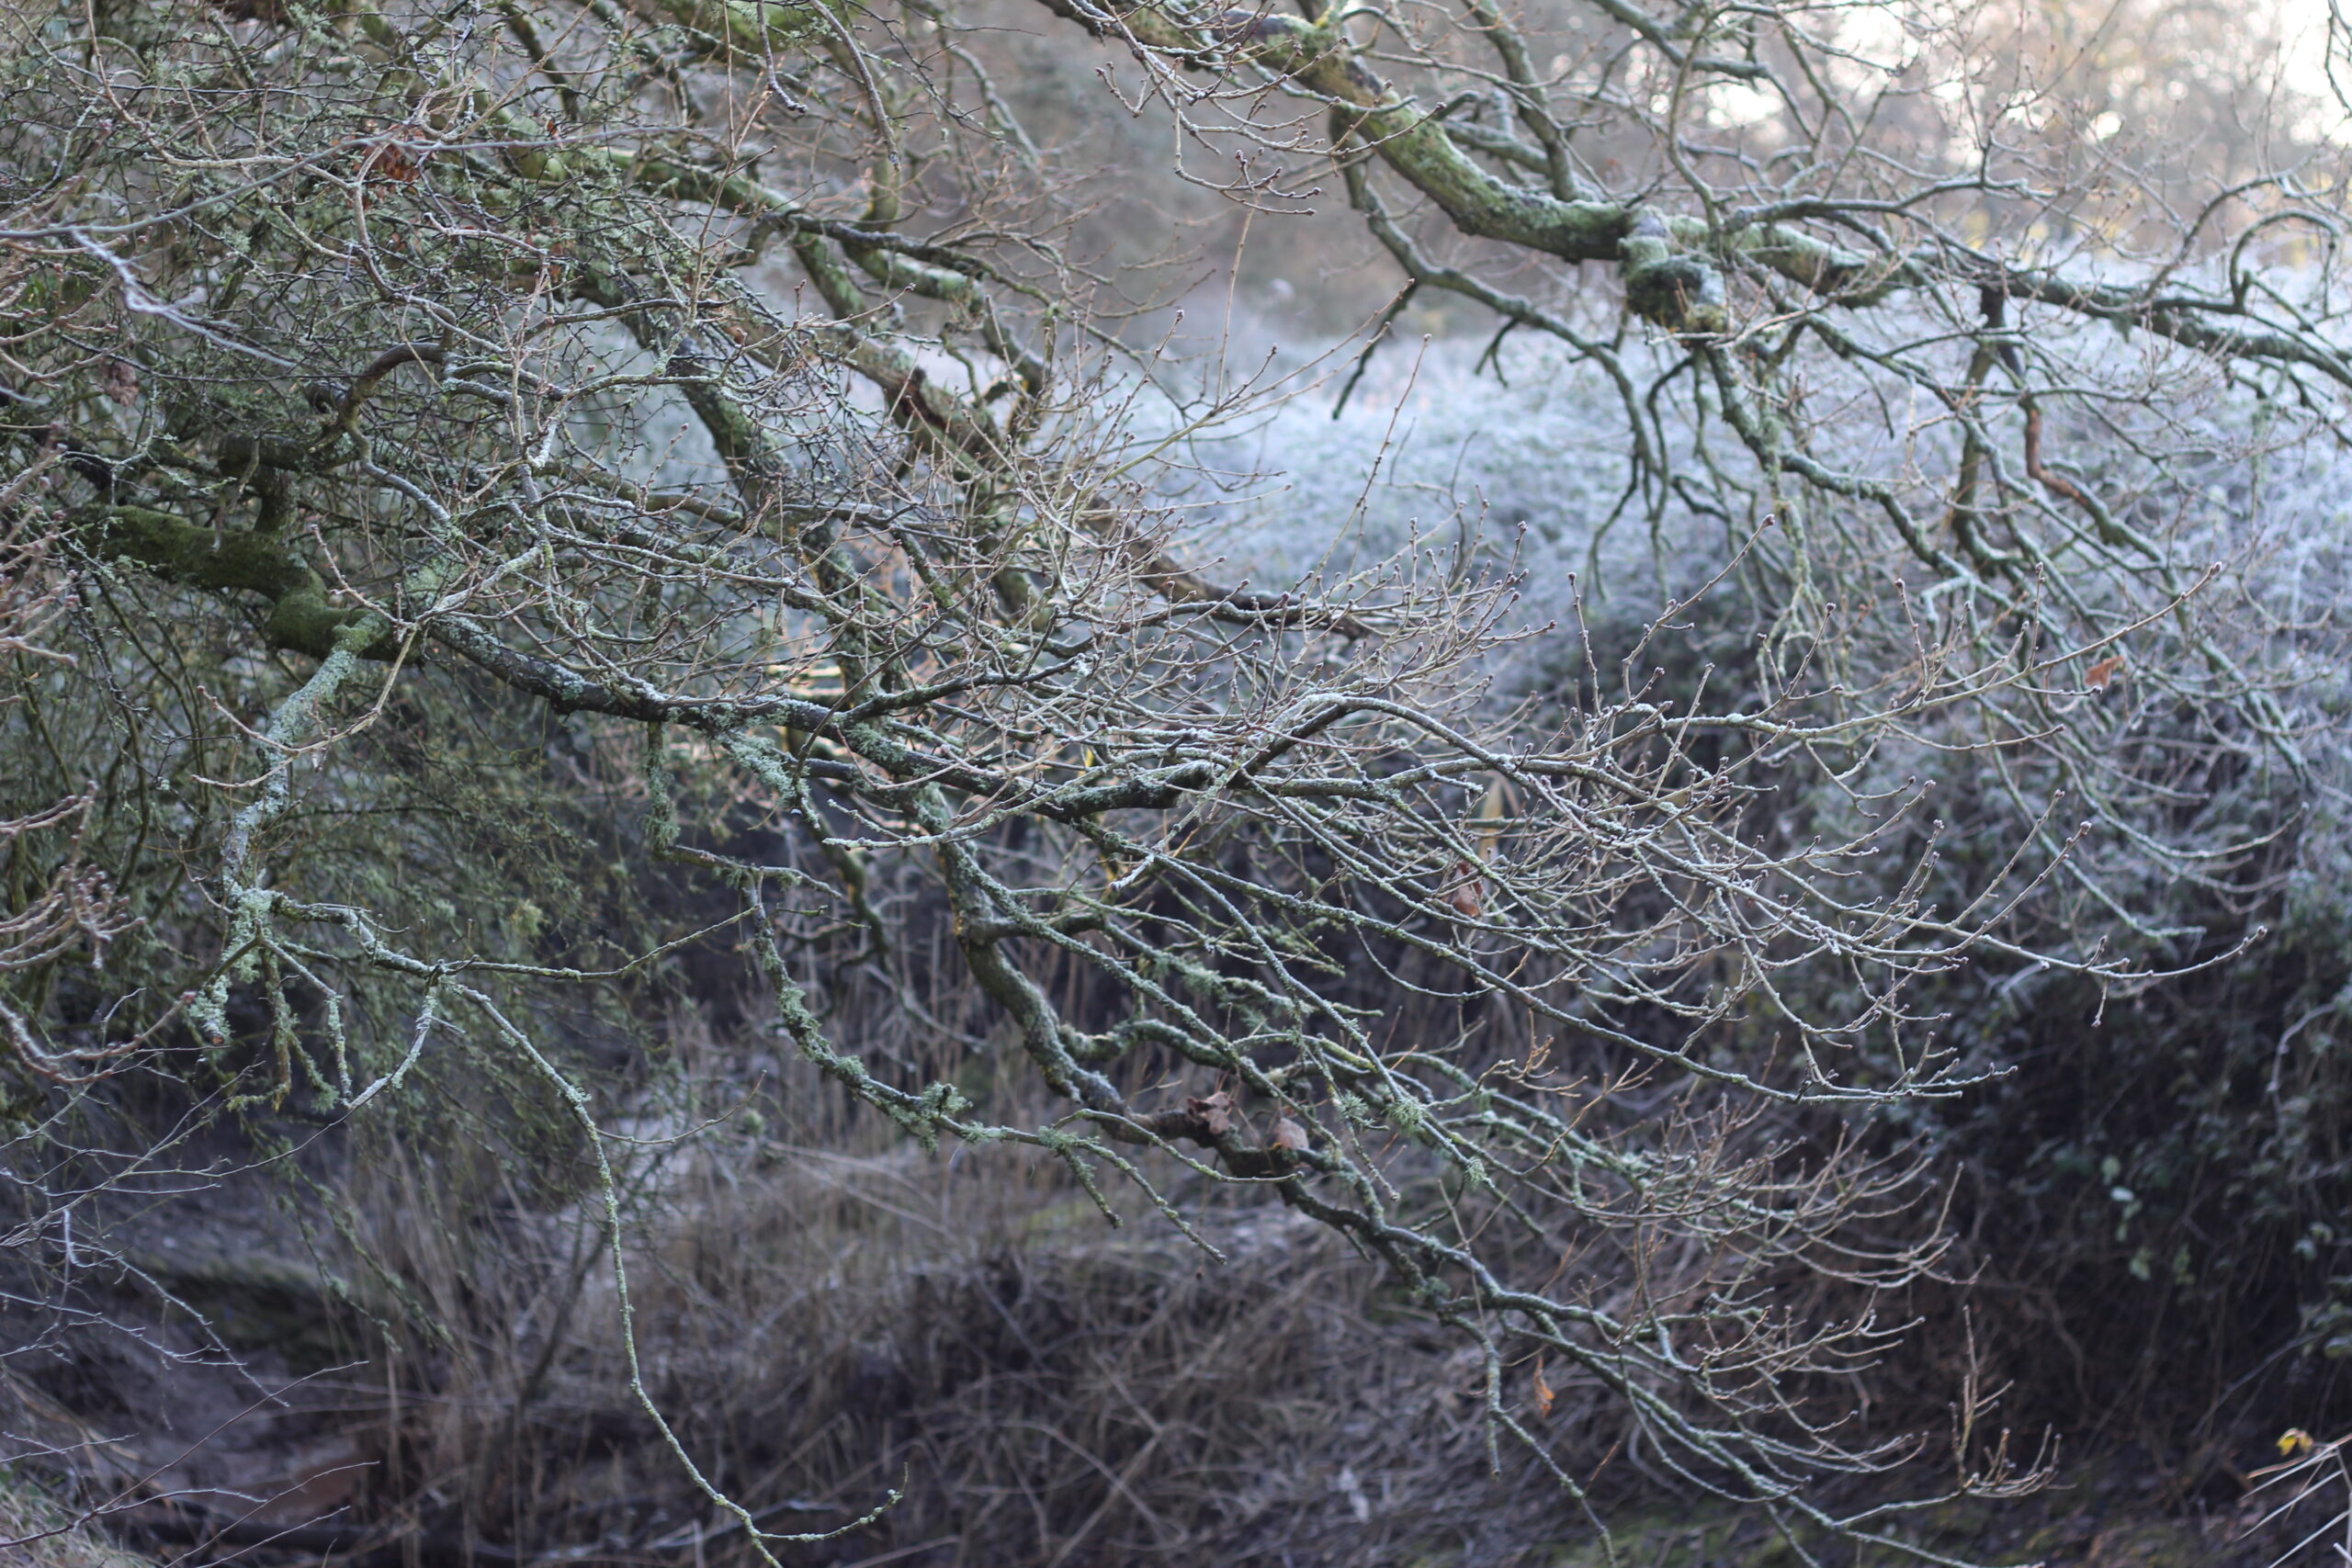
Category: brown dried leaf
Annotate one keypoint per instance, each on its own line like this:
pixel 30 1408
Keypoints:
pixel 1465 890
pixel 388 160
pixel 1544 1394
pixel 2103 675
pixel 1216 1113
pixel 1289 1134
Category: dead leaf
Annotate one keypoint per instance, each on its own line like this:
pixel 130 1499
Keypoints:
pixel 2105 673
pixel 122 381
pixel 388 160
pixel 1289 1134
pixel 1544 1394
pixel 1490 816
pixel 1216 1113
pixel 1465 890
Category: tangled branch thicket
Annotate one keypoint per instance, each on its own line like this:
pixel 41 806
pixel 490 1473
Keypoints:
pixel 517 508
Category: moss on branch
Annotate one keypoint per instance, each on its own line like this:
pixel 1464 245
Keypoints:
pixel 302 618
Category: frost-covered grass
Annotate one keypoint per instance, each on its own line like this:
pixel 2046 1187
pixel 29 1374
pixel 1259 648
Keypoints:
pixel 1426 448
pixel 1529 466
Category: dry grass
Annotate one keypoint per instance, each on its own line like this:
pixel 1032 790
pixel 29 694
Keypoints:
pixel 824 1322
pixel 823 1328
